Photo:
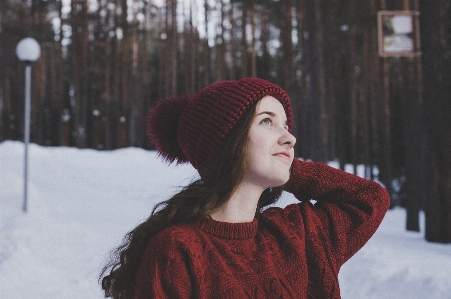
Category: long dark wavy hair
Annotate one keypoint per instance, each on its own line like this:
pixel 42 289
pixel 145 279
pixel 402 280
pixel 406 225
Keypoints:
pixel 194 202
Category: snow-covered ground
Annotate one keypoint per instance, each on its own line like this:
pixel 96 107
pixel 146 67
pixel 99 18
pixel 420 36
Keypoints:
pixel 82 202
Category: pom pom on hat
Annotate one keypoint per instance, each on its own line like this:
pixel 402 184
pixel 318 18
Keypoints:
pixel 162 127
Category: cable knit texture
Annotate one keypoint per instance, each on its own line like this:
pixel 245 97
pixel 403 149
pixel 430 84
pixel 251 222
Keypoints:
pixel 295 252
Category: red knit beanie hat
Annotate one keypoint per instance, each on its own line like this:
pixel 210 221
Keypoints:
pixel 192 129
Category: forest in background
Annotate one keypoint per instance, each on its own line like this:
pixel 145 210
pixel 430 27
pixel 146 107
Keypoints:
pixel 105 63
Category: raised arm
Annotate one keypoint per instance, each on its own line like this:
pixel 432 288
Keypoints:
pixel 348 210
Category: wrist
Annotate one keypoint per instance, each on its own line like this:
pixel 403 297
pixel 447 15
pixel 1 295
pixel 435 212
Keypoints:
pixel 301 177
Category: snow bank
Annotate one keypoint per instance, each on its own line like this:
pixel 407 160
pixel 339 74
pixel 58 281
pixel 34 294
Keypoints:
pixel 82 202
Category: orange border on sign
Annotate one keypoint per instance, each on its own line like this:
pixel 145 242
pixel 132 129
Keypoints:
pixel 414 34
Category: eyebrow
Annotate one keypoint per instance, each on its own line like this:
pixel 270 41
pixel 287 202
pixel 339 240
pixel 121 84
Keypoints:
pixel 271 114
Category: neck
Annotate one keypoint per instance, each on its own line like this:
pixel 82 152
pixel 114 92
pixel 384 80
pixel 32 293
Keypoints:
pixel 241 206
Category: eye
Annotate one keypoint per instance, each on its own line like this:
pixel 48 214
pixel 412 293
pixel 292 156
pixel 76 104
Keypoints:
pixel 266 121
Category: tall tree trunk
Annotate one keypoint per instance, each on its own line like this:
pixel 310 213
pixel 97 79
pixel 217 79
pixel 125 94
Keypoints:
pixel 331 56
pixel 190 57
pixel 57 84
pixel 135 90
pixel 162 54
pixel 364 99
pixel 316 86
pixel 253 50
pixel 412 101
pixel 79 47
pixel 353 84
pixel 301 110
pixel 232 48
pixel 244 63
pixel 207 58
pixel 264 61
pixel 106 96
pixel 173 47
pixel 40 116
pixel 125 75
pixel 220 46
pixel 58 79
pixel 386 174
pixel 286 70
pixel 375 88
pixel 437 103
pixel 168 51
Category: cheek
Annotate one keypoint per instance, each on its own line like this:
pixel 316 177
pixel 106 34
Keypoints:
pixel 257 150
pixel 260 141
pixel 256 156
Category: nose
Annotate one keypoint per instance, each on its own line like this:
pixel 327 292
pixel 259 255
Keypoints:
pixel 287 138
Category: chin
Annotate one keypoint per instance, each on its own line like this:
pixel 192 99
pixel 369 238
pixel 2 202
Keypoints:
pixel 282 183
pixel 269 179
pixel 280 180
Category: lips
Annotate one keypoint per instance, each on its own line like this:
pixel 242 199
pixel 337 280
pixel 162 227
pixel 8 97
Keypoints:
pixel 284 155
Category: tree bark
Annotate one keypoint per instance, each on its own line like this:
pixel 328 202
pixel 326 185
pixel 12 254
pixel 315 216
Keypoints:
pixel 301 110
pixel 207 52
pixel 386 173
pixel 79 47
pixel 437 106
pixel 316 86
pixel 412 101
pixel 244 63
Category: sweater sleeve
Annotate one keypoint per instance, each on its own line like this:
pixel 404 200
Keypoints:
pixel 164 272
pixel 348 210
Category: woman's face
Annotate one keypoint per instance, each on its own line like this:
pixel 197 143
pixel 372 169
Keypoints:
pixel 270 146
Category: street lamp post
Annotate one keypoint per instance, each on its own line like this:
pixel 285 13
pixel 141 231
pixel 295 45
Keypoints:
pixel 28 51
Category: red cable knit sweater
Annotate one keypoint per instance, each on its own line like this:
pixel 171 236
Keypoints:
pixel 295 252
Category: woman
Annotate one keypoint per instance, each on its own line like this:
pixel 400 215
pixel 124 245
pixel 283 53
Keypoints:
pixel 213 239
